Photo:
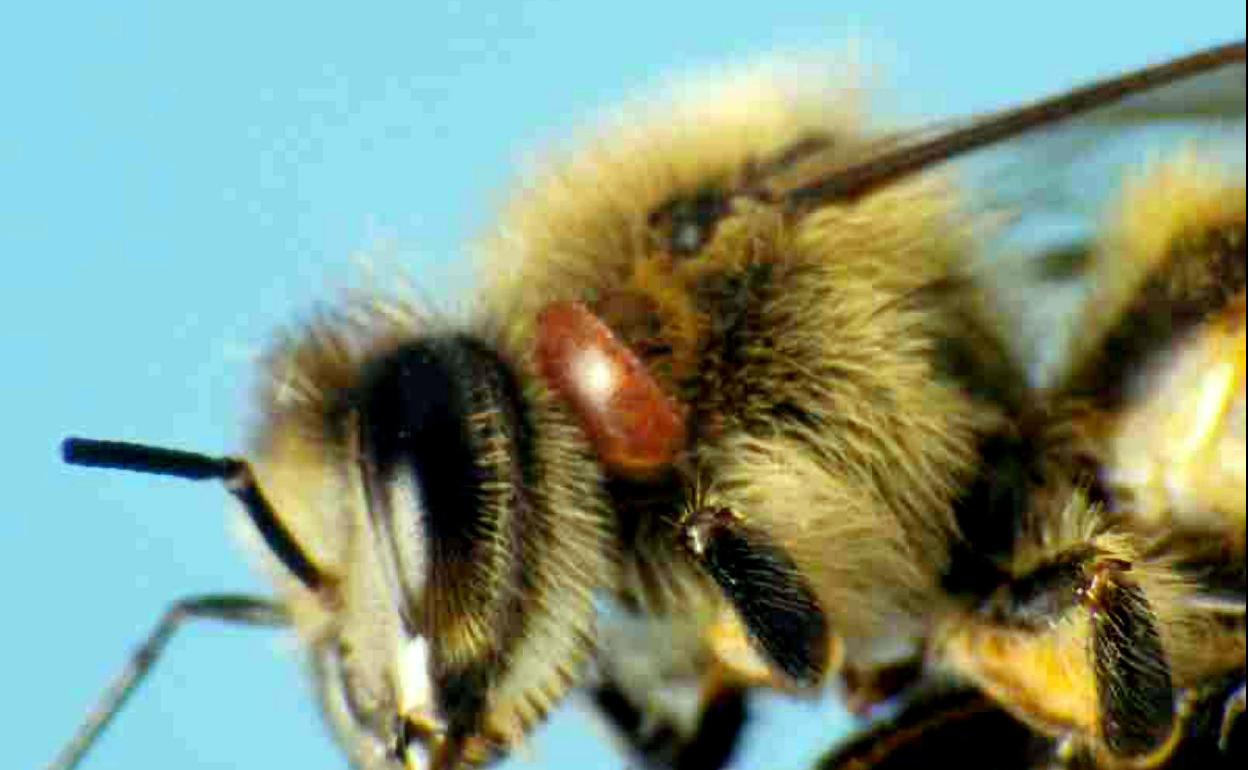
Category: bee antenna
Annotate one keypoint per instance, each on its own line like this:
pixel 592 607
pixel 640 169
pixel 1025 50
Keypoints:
pixel 120 455
pixel 236 474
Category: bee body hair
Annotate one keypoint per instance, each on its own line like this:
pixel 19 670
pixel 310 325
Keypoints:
pixel 809 347
pixel 736 371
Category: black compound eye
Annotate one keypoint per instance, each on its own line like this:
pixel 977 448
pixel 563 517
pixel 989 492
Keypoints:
pixel 687 224
pixel 443 438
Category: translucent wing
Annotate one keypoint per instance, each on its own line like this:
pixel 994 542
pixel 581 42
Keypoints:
pixel 1039 176
pixel 1044 201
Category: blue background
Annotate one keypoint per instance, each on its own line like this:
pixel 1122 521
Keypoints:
pixel 178 180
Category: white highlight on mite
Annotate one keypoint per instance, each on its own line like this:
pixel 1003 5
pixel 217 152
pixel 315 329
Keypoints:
pixel 597 375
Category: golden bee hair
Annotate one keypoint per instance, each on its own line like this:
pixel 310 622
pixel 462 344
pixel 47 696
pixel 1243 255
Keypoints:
pixel 733 374
pixel 1119 657
pixel 807 345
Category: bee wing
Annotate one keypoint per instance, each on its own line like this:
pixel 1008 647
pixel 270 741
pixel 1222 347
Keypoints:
pixel 1114 251
pixel 1115 257
pixel 1042 202
pixel 1111 223
pixel 1065 170
pixel 821 173
pixel 1039 176
pixel 1213 94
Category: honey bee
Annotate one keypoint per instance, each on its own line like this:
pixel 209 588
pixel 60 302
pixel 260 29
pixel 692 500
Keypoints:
pixel 734 372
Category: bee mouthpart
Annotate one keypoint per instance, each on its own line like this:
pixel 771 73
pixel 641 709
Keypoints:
pixel 420 741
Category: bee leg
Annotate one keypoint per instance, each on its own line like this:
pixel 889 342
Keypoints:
pixel 660 743
pixel 866 689
pixel 1228 739
pixel 775 602
pixel 724 713
pixel 1027 642
pixel 1133 684
pixel 226 608
pixel 941 727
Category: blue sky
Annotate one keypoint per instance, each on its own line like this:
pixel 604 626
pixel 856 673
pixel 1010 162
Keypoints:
pixel 179 180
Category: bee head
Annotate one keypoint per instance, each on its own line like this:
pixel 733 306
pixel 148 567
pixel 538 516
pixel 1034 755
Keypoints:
pixel 435 527
pixel 446 466
pixel 463 520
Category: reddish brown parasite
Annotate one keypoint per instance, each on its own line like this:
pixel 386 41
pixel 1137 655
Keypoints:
pixel 635 427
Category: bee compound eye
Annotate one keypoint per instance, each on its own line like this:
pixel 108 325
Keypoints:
pixel 687 224
pixel 442 431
